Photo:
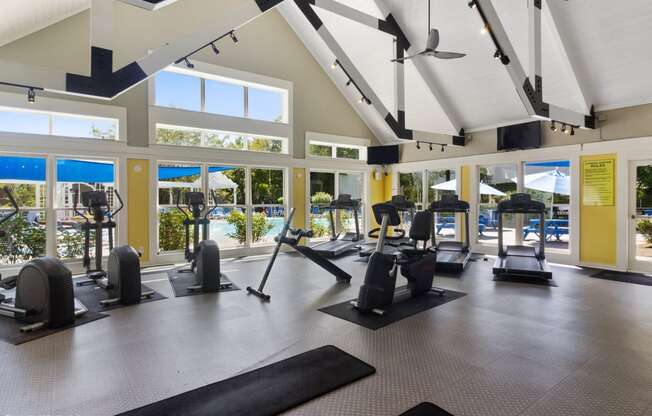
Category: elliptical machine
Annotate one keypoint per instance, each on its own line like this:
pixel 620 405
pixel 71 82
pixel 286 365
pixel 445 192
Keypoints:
pixel 204 257
pixel 44 290
pixel 417 263
pixel 121 280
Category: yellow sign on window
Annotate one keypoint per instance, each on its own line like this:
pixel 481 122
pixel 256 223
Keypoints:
pixel 598 182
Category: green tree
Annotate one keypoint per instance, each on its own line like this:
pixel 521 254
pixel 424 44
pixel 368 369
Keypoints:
pixel 23 240
pixel 178 137
pixel 321 150
pixel 645 227
pixel 98 133
pixel 348 153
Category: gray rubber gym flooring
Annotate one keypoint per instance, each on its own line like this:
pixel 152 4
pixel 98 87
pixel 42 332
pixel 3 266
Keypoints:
pixel 583 348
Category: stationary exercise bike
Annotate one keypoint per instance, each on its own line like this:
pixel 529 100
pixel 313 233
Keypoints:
pixel 44 291
pixel 121 280
pixel 204 257
pixel 417 264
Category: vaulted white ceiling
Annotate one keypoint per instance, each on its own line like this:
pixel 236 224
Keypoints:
pixel 20 18
pixel 606 41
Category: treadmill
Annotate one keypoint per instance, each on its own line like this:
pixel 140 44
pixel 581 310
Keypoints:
pixel 452 256
pixel 399 238
pixel 522 261
pixel 337 246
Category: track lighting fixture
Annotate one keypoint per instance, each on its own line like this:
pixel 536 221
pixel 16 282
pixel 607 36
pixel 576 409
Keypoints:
pixel 472 4
pixel 443 147
pixel 217 51
pixel 31 96
pixel 233 37
pixel 348 83
pixel 418 146
pixel 188 64
pixel 431 147
pixel 485 29
pixel 572 131
pixel 565 129
pixel 335 64
pixel 498 54
pixel 553 126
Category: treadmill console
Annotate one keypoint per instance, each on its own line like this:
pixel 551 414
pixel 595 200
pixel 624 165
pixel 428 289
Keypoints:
pixel 450 203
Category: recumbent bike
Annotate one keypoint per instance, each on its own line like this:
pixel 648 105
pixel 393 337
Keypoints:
pixel 204 257
pixel 44 296
pixel 417 264
pixel 121 280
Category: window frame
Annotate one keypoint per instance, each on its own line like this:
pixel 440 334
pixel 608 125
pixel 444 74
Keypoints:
pixel 211 121
pixel 58 107
pixel 336 142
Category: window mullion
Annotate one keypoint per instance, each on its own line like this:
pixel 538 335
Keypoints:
pixel 50 211
pixel 249 206
pixel 203 95
pixel 245 91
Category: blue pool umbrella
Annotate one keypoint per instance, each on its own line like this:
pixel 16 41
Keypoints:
pixel 68 170
pixel 173 172
pixel 553 164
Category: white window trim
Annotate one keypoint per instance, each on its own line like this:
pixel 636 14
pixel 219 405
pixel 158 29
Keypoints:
pixel 56 106
pixel 334 140
pixel 199 119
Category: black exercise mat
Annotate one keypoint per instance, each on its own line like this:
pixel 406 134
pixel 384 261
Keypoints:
pixel 426 409
pixel 10 328
pixel 635 278
pixel 393 313
pixel 269 390
pixel 180 282
pixel 91 295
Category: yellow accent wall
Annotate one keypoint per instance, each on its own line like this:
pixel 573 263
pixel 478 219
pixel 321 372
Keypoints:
pixel 598 232
pixel 465 190
pixel 379 191
pixel 138 207
pixel 299 197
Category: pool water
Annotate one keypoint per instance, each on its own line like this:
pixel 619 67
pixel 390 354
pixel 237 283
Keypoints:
pixel 220 228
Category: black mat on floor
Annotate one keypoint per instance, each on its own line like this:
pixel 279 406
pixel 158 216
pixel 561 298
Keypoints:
pixel 426 409
pixel 393 313
pixel 10 329
pixel 269 390
pixel 91 295
pixel 636 278
pixel 181 281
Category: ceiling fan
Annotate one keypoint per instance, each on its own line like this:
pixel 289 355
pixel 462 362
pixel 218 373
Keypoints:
pixel 431 46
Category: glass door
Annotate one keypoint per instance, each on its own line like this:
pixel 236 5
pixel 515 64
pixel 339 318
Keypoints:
pixel 640 253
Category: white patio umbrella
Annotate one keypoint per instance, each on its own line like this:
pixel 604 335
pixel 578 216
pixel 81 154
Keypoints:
pixel 216 180
pixel 552 181
pixel 452 186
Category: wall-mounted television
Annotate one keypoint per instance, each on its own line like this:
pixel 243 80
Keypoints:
pixel 382 155
pixel 520 136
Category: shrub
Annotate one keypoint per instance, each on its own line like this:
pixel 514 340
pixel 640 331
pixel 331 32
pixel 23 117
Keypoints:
pixel 170 233
pixel 318 229
pixel 23 241
pixel 238 220
pixel 70 245
pixel 321 198
pixel 645 227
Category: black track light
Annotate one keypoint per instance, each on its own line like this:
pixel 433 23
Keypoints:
pixel 443 148
pixel 418 146
pixel 431 147
pixel 217 51
pixel 234 37
pixel 188 64
pixel 348 83
pixel 472 4
pixel 504 59
pixel 498 54
pixel 564 129
pixel 31 96
pixel 335 64
pixel 553 126
pixel 572 131
pixel 485 29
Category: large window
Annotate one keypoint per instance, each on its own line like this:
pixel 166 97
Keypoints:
pixel 235 222
pixel 550 183
pixel 24 234
pixel 321 149
pixel 440 183
pixel 497 183
pixel 220 95
pixel 268 204
pixel 326 186
pixel 174 180
pixel 76 176
pixel 186 136
pixel 15 120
